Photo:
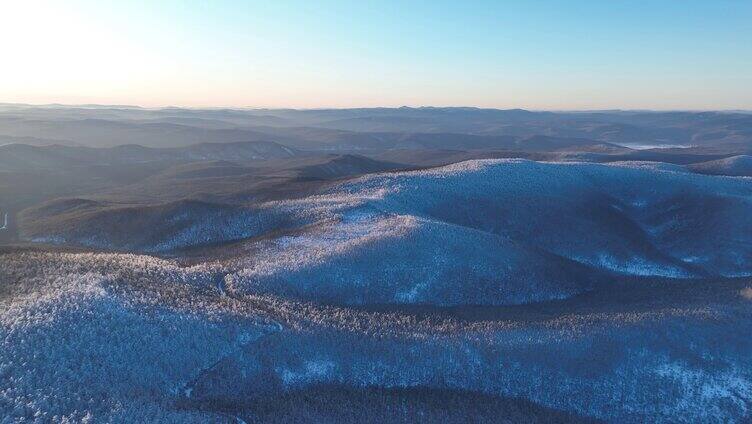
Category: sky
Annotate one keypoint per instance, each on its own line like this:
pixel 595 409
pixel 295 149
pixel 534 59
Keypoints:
pixel 554 55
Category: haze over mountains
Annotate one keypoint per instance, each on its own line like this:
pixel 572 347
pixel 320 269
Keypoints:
pixel 365 128
pixel 62 151
pixel 188 265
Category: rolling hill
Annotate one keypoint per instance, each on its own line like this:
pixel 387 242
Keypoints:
pixel 496 231
pixel 374 264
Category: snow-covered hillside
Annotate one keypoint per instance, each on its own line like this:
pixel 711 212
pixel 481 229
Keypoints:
pixel 503 231
pixel 477 232
pixel 619 292
pixel 126 338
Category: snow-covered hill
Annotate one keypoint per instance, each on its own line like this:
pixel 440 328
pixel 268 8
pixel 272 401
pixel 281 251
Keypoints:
pixel 128 338
pixel 477 232
pixel 504 231
pixel 740 166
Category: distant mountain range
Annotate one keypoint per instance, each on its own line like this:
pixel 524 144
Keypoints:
pixel 367 128
pixel 22 156
pixel 127 157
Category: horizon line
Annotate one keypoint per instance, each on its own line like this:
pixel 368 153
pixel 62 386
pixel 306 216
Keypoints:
pixel 583 110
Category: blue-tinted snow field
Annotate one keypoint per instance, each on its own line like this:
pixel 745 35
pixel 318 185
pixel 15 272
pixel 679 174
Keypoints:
pixel 503 232
pixel 615 292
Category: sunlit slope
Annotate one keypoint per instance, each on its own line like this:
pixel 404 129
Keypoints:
pixel 740 166
pixel 485 231
pixel 504 231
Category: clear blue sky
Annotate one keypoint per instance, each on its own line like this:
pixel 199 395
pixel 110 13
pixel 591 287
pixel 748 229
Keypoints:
pixel 531 54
